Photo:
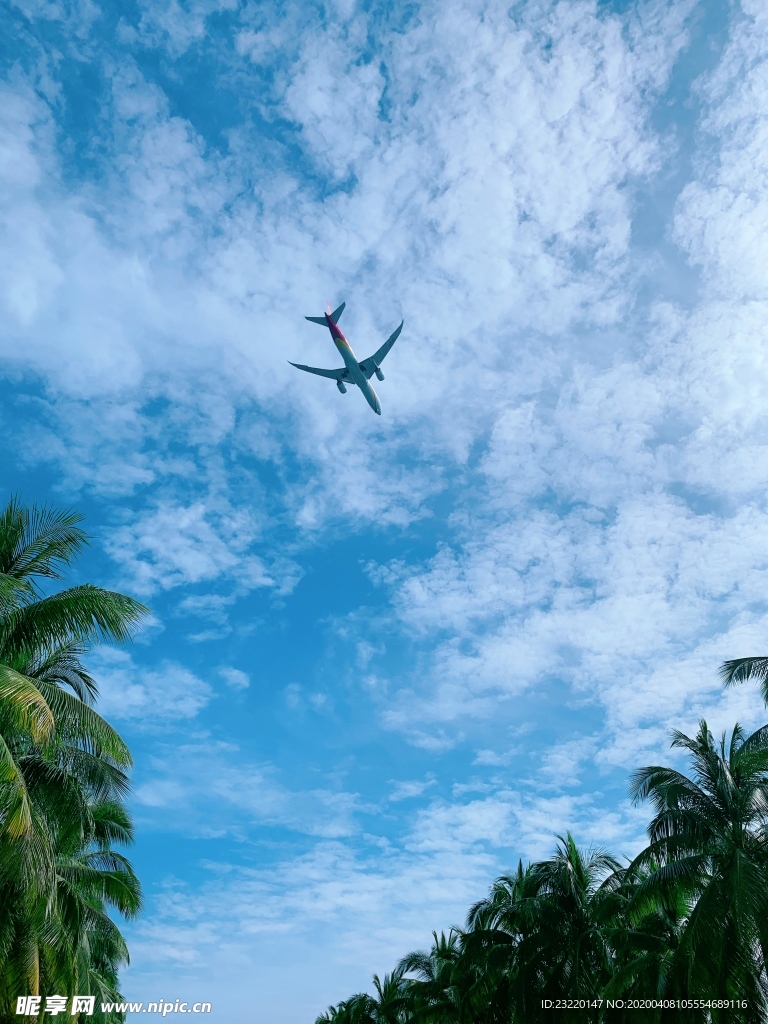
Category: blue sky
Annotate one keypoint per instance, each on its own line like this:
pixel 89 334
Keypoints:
pixel 389 656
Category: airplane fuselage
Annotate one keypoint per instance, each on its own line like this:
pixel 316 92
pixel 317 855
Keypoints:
pixel 356 375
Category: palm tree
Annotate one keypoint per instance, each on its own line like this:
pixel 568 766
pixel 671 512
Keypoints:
pixel 564 938
pixel 67 935
pixel 62 767
pixel 550 923
pixel 645 936
pixel 496 928
pixel 42 637
pixel 388 1007
pixel 437 990
pixel 709 849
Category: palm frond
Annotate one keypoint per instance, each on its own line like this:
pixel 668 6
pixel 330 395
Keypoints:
pixel 23 703
pixel 741 670
pixel 79 723
pixel 81 615
pixel 15 809
pixel 38 541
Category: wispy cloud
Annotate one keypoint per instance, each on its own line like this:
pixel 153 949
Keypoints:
pixel 407 790
pixel 175 545
pixel 148 697
pixel 209 787
pixel 235 678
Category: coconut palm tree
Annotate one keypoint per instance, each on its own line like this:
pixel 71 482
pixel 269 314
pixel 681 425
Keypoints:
pixel 440 980
pixel 62 767
pixel 389 1006
pixel 709 848
pixel 645 937
pixel 64 941
pixel 542 933
pixel 43 685
pixel 496 929
pixel 547 930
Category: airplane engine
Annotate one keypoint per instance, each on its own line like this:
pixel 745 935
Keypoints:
pixel 341 386
pixel 379 374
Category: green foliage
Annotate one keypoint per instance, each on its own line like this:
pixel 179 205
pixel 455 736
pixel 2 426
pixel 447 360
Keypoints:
pixel 740 670
pixel 62 771
pixel 686 920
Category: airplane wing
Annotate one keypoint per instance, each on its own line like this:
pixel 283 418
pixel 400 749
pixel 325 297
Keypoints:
pixel 368 366
pixel 341 374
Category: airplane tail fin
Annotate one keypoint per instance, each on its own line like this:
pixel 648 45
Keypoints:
pixel 321 319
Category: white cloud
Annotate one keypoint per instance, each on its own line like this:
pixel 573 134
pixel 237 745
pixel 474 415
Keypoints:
pixel 172 25
pixel 604 606
pixel 146 697
pixel 319 701
pixel 408 790
pixel 206 786
pixel 162 299
pixel 493 759
pixel 235 678
pixel 175 545
pixel 721 218
pixel 207 606
pixel 563 763
pixel 334 96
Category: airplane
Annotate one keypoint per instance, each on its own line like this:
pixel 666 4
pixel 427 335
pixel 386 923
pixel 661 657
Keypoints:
pixel 351 372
